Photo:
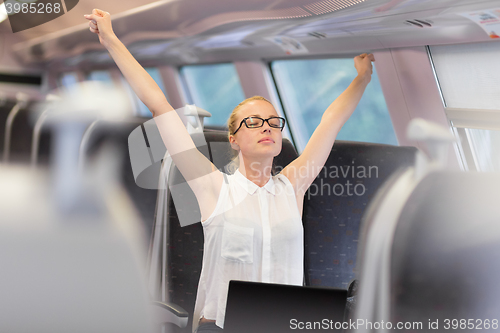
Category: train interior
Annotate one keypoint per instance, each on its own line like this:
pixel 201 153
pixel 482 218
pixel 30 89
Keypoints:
pixel 404 214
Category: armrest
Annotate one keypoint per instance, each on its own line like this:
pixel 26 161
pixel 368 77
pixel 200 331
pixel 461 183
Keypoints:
pixel 169 313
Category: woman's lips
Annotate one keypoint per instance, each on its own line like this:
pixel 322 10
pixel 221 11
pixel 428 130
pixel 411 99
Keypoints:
pixel 266 140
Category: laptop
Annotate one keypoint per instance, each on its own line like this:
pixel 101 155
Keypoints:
pixel 254 307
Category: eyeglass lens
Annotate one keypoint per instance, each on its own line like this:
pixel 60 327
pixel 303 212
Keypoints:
pixel 258 122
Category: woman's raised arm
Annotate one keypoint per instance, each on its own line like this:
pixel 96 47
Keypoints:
pixel 141 82
pixel 202 176
pixel 320 144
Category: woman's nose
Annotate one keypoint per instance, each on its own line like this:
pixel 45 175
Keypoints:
pixel 266 127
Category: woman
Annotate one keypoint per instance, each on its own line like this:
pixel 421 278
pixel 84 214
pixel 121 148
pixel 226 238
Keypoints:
pixel 251 219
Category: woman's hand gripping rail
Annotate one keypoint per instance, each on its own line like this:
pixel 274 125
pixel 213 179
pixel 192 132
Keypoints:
pixel 141 82
pixel 202 176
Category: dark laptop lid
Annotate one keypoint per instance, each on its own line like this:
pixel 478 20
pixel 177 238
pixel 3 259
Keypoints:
pixel 254 307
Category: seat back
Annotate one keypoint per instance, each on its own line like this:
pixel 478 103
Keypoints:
pixel 21 131
pixel 184 247
pixel 116 133
pixel 4 113
pixel 444 262
pixel 336 202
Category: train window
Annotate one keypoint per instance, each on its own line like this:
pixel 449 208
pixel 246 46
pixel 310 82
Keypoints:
pixel 215 88
pixel 468 80
pixel 307 87
pixel 102 76
pixel 67 80
pixel 141 108
pixel 485 145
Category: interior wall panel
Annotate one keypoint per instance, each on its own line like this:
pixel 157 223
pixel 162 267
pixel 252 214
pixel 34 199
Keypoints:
pixel 417 95
pixel 251 74
pixel 393 93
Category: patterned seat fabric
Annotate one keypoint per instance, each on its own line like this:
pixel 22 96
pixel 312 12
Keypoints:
pixel 335 203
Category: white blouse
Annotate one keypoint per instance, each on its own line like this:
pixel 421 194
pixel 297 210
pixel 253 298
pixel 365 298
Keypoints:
pixel 254 234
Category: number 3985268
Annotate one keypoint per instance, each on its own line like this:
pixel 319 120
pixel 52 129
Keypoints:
pixel 33 8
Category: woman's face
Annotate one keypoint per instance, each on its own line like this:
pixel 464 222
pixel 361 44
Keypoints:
pixel 258 142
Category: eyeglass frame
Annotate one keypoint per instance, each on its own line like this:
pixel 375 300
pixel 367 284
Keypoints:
pixel 263 120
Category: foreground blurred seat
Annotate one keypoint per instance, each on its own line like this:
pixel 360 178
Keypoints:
pixel 429 242
pixel 17 131
pixel 5 107
pixel 70 249
pixel 444 259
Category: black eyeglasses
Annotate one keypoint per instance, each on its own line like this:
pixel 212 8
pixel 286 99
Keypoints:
pixel 256 122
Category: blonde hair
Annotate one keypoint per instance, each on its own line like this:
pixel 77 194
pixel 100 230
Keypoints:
pixel 231 123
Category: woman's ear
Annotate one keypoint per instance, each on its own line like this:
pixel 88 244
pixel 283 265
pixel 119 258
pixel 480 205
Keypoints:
pixel 233 143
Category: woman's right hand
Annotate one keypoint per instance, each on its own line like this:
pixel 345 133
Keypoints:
pixel 100 24
pixel 363 65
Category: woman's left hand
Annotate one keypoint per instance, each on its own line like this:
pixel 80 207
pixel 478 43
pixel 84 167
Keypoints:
pixel 363 64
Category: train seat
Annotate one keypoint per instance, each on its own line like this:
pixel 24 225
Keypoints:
pixel 64 248
pixel 17 131
pixel 5 107
pixel 103 132
pixel 429 243
pixel 184 245
pixel 335 203
pixel 444 264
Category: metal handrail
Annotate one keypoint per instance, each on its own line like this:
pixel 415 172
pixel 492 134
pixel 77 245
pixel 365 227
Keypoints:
pixel 22 102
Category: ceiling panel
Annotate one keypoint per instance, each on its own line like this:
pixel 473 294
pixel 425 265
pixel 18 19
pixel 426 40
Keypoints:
pixel 198 28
